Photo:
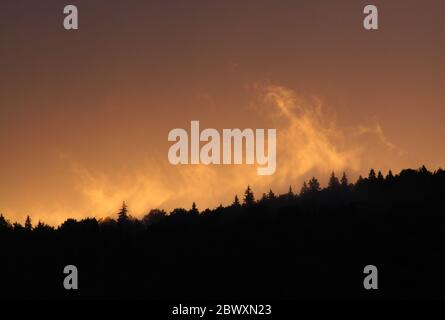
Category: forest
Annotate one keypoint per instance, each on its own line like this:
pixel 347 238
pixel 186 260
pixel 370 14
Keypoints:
pixel 311 244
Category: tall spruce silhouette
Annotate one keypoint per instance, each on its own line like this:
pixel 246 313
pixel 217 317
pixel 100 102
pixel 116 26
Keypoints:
pixel 344 181
pixel 122 215
pixel 249 198
pixel 236 202
pixel 28 223
pixel 333 182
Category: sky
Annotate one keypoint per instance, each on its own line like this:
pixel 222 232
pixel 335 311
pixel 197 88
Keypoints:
pixel 85 114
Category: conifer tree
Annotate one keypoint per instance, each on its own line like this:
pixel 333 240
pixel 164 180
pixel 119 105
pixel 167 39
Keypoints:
pixel 236 202
pixel 389 176
pixel 372 176
pixel 380 178
pixel 314 185
pixel 249 198
pixel 304 189
pixel 28 223
pixel 290 193
pixel 122 215
pixel 333 182
pixel 344 181
pixel 194 209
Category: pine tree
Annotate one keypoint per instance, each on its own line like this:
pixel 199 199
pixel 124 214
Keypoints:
pixel 314 185
pixel 249 198
pixel 333 182
pixel 271 195
pixel 304 189
pixel 236 202
pixel 359 182
pixel 290 193
pixel 380 178
pixel 344 181
pixel 4 223
pixel 389 176
pixel 423 170
pixel 263 197
pixel 28 224
pixel 372 176
pixel 194 209
pixel 17 226
pixel 122 215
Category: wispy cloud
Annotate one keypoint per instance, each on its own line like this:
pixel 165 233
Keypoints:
pixel 309 141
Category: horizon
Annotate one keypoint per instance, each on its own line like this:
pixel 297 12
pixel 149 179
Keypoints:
pixel 85 114
pixel 296 191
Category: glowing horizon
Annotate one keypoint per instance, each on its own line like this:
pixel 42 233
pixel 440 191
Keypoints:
pixel 84 115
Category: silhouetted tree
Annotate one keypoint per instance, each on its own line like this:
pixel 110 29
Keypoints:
pixel 69 225
pixel 4 223
pixel 371 175
pixel 43 228
pixel 153 217
pixel 263 197
pixel 108 223
pixel 423 170
pixel 194 209
pixel 17 226
pixel 344 181
pixel 304 189
pixel 219 209
pixel 333 182
pixel 249 198
pixel 290 193
pixel 178 212
pixel 271 195
pixel 122 215
pixel 389 176
pixel 236 202
pixel 28 223
pixel 380 178
pixel 314 185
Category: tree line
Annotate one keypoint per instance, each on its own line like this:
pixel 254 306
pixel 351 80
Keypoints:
pixel 308 244
pixel 363 187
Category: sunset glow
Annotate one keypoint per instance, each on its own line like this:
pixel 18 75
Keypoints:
pixel 85 115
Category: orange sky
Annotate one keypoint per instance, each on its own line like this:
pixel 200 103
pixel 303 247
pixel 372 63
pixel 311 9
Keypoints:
pixel 84 115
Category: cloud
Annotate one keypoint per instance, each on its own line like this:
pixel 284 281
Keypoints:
pixel 376 130
pixel 309 142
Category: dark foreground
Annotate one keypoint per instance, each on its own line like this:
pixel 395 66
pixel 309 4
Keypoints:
pixel 312 245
